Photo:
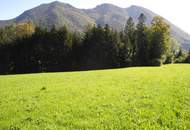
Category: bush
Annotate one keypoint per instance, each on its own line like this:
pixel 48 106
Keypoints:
pixel 187 60
pixel 181 59
pixel 169 59
pixel 156 62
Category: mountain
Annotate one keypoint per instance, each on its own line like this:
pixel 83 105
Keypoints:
pixel 116 17
pixel 60 14
pixel 108 14
pixel 56 13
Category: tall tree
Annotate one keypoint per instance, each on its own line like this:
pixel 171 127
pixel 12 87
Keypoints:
pixel 160 31
pixel 129 41
pixel 100 48
pixel 142 42
pixel 111 51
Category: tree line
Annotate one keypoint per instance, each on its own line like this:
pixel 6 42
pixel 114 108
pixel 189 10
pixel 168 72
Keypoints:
pixel 25 49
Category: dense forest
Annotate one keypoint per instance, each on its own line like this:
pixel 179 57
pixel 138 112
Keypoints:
pixel 25 48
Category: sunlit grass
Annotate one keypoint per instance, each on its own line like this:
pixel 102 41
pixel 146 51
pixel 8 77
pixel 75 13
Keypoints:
pixel 132 98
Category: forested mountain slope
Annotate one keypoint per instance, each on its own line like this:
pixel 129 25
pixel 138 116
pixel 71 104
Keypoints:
pixel 60 14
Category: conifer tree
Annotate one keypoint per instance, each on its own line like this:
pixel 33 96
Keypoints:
pixel 142 43
pixel 129 34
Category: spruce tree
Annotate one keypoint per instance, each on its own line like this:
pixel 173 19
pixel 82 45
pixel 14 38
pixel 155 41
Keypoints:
pixel 142 43
pixel 129 42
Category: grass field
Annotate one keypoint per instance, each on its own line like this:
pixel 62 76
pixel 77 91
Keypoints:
pixel 133 98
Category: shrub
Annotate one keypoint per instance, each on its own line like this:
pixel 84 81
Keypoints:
pixel 187 60
pixel 181 59
pixel 169 59
pixel 156 62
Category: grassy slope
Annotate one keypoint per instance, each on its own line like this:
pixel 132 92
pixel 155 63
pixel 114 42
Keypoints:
pixel 153 98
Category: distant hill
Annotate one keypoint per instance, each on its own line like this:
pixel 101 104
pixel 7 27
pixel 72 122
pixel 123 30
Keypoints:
pixel 60 14
pixel 55 13
pixel 116 17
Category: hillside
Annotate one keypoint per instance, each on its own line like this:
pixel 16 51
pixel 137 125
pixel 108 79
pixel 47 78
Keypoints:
pixel 176 32
pixel 55 13
pixel 132 98
pixel 60 14
pixel 117 17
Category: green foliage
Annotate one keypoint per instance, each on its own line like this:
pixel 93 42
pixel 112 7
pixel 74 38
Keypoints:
pixel 100 48
pixel 160 39
pixel 172 52
pixel 180 57
pixel 157 62
pixel 169 58
pixel 187 60
pixel 127 49
pixel 142 42
pixel 7 34
pixel 133 98
pixel 58 49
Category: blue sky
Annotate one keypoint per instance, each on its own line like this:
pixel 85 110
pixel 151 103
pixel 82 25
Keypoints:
pixel 176 11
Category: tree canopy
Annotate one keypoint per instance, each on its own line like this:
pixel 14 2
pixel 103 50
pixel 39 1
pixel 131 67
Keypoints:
pixel 28 49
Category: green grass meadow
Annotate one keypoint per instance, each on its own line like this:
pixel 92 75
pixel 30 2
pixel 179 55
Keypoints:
pixel 120 99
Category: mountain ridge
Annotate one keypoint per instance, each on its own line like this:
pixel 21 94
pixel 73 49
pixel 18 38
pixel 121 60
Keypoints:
pixel 60 14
